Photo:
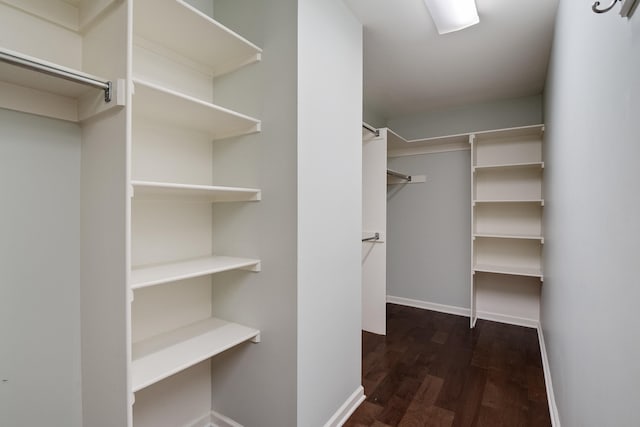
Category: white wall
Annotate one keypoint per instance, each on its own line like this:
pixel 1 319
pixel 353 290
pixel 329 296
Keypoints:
pixel 429 229
pixel 592 205
pixel 39 271
pixel 471 118
pixel 329 208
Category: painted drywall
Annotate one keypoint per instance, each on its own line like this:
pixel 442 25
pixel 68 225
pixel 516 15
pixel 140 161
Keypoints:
pixel 373 118
pixel 255 384
pixel 329 208
pixel 206 6
pixel 428 229
pixel 590 294
pixel 39 271
pixel 471 118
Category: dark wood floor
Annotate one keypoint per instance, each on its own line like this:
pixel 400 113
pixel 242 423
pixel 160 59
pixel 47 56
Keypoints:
pixel 431 369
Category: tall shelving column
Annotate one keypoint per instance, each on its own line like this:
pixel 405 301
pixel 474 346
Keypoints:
pixel 175 120
pixel 507 235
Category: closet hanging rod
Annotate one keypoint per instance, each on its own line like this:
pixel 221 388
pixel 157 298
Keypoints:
pixel 373 130
pixel 376 236
pixel 399 175
pixel 57 72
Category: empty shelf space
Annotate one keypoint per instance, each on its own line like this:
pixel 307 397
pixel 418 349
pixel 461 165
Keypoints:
pixel 512 270
pixel 147 190
pixel 156 274
pixel 223 50
pixel 159 357
pixel 509 236
pixel 169 106
pixel 526 165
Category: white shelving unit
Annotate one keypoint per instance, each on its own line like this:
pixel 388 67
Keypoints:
pixel 169 106
pixel 157 274
pixel 507 234
pixel 225 51
pixel 147 190
pixel 174 121
pixel 161 356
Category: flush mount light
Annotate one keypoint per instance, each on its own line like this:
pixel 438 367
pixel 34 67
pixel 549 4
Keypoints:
pixel 452 15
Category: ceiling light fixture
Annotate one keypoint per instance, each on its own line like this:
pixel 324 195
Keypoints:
pixel 452 15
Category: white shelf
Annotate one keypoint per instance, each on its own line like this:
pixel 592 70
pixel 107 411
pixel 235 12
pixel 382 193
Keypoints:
pixel 527 165
pixel 192 34
pixel 146 190
pixel 502 269
pixel 509 236
pixel 156 274
pixel 169 106
pixel 509 134
pixel 159 357
pixel 536 201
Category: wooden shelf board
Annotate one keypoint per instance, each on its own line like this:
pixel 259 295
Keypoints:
pixel 509 236
pixel 159 357
pixel 147 190
pixel 512 270
pixel 169 106
pixel 156 274
pixel 532 165
pixel 193 35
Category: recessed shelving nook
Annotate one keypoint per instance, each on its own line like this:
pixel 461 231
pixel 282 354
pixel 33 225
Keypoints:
pixel 507 234
pixel 175 124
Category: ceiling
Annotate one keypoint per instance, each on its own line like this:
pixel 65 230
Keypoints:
pixel 409 68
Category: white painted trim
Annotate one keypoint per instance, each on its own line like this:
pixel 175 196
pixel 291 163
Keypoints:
pixel 415 151
pixel 553 408
pixel 203 421
pixel 344 412
pixel 449 309
pixel 510 320
pixel 213 419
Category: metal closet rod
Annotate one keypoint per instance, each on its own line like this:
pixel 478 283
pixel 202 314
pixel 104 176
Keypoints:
pixel 399 175
pixel 374 131
pixel 57 72
pixel 376 236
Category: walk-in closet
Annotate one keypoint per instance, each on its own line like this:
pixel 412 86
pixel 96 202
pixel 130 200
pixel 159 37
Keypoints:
pixel 319 213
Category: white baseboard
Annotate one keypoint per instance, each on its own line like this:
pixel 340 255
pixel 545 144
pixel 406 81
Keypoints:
pixel 553 408
pixel 348 407
pixel 213 419
pixel 449 309
pixel 511 320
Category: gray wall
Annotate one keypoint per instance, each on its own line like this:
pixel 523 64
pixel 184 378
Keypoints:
pixel 428 230
pixel 256 383
pixel 306 230
pixel 472 118
pixel 592 206
pixel 329 208
pixel 39 271
pixel 373 118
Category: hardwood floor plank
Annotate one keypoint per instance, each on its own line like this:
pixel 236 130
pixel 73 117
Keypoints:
pixel 431 369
